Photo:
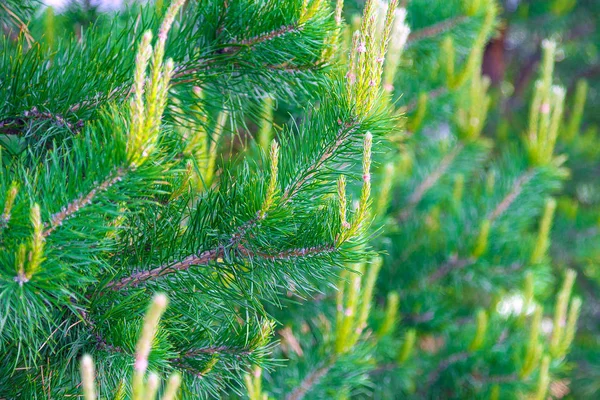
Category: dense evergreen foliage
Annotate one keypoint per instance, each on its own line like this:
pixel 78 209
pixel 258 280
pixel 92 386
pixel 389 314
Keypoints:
pixel 318 199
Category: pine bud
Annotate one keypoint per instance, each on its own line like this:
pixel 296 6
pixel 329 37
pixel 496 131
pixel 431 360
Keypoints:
pixel 534 348
pixel 209 170
pixel 172 387
pixel 11 195
pixel 415 121
pixel 459 186
pixel 272 188
pixel 339 6
pixel 265 132
pixel 144 345
pixel 544 379
pixel 88 377
pixel 341 188
pixel 386 188
pixel 407 346
pixel 571 327
pixel 528 292
pixel 482 323
pixel 366 296
pixel 481 244
pixel 344 331
pixel 542 242
pixel 391 313
pixel 309 11
pixel 21 277
pixel 560 313
pixel 151 386
pixel 577 109
pixel 471 7
pixel 36 255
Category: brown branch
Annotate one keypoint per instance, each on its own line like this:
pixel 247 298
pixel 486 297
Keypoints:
pixel 496 379
pixel 288 254
pixel 512 195
pixel 139 277
pixel 435 29
pixel 431 95
pixel 264 37
pixel 67 212
pixel 328 152
pixel 242 351
pixel 453 264
pixel 14 125
pixel 417 195
pixel 101 342
pixel 442 366
pixel 206 257
pixel 311 380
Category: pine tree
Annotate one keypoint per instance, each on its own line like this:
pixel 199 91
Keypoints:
pixel 128 170
pixel 272 199
pixel 458 306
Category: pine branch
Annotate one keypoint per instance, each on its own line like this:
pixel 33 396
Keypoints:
pixel 310 381
pixel 264 37
pixel 451 265
pixel 327 153
pixel 431 95
pixel 435 29
pixel 289 254
pixel 441 367
pixel 496 379
pixel 15 125
pixel 208 256
pixel 417 195
pixel 19 23
pixel 220 350
pixel 456 264
pixel 76 205
pixel 512 195
pixel 140 277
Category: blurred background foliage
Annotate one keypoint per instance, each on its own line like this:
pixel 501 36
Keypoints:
pixel 511 61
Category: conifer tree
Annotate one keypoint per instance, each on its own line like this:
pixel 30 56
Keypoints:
pixel 271 199
pixel 126 173
pixel 458 306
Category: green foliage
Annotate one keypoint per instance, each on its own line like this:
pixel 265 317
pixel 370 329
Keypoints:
pixel 334 209
pixel 105 212
pixel 458 308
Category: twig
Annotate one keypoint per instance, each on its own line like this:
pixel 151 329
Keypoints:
pixel 342 135
pixel 453 264
pixel 208 256
pixel 436 29
pixel 22 26
pixel 311 380
pixel 442 366
pixel 142 276
pixel 431 95
pixel 512 195
pixel 67 212
pixel 417 195
pixel 218 349
pixel 263 37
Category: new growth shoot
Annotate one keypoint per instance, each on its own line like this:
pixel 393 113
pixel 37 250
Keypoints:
pixel 140 390
pixel 367 57
pixel 349 229
pixel 150 92
pixel 546 112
